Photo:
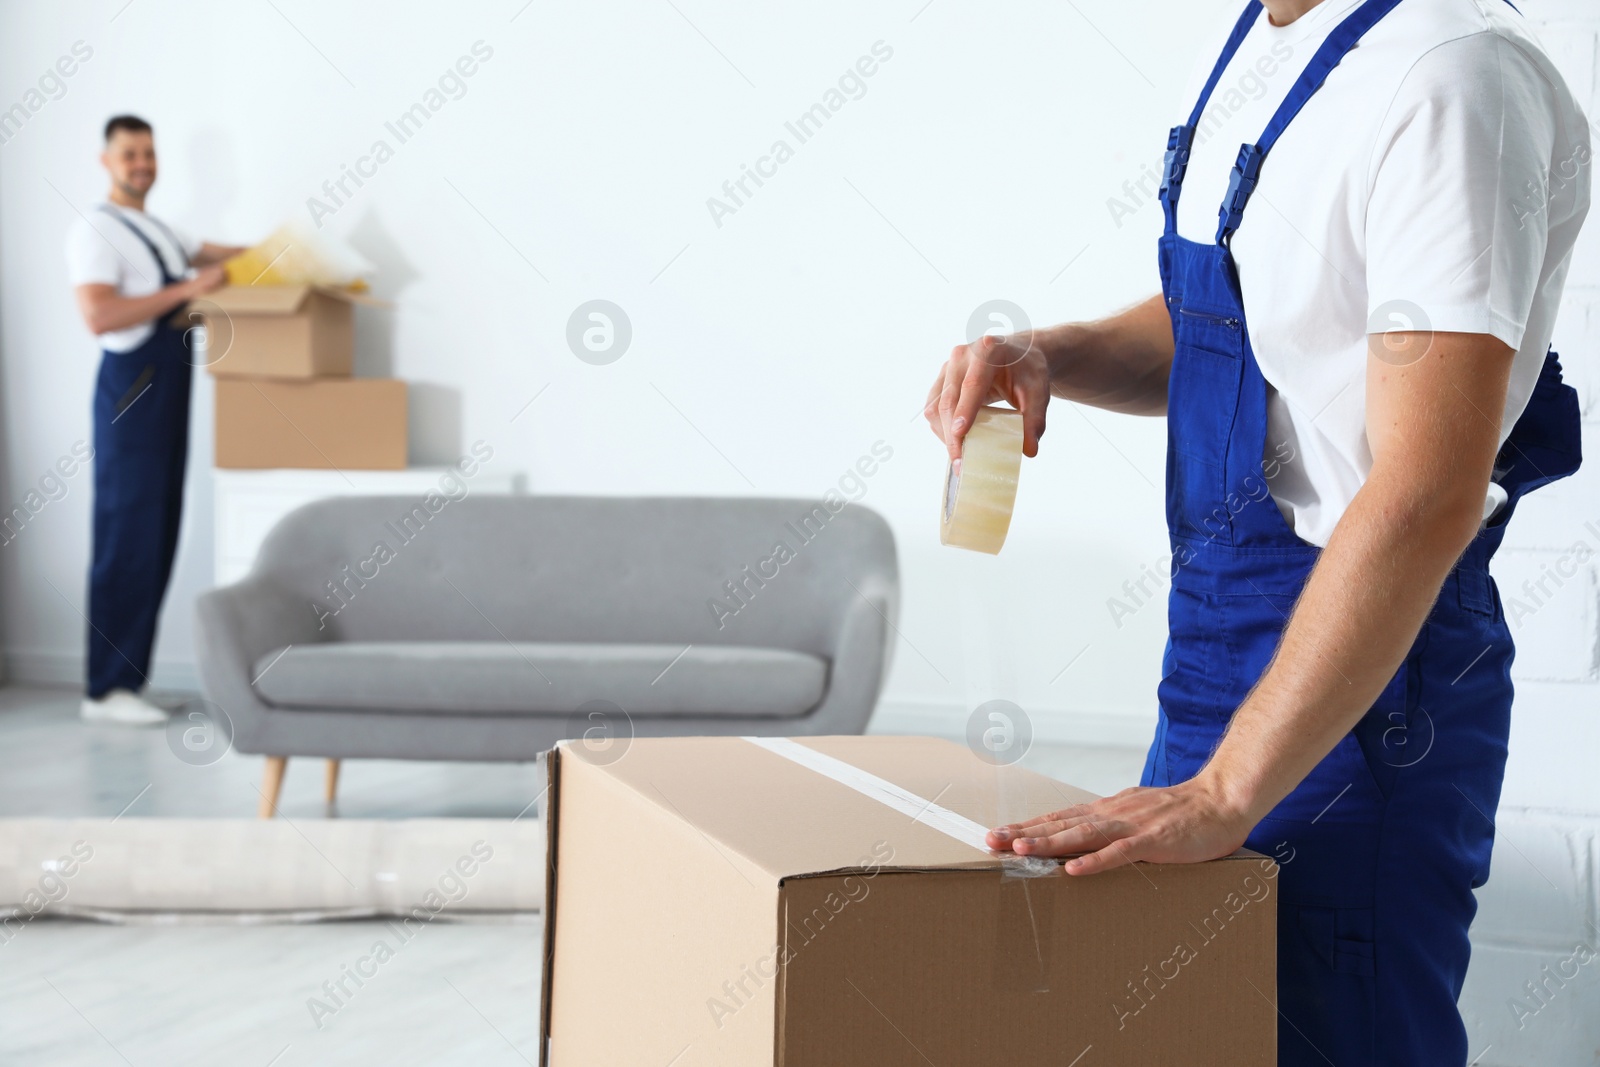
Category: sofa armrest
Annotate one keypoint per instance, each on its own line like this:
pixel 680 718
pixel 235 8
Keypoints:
pixel 237 625
pixel 863 647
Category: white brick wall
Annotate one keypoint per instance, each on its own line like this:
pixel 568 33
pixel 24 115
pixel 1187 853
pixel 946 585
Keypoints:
pixel 1550 602
pixel 1532 998
pixel 1578 332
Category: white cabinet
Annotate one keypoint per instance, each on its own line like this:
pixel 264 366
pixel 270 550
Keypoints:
pixel 248 503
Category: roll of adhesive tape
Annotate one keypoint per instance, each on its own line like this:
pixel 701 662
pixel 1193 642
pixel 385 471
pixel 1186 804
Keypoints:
pixel 978 500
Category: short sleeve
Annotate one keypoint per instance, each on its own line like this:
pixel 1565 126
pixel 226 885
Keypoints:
pixel 91 260
pixel 1457 225
pixel 191 246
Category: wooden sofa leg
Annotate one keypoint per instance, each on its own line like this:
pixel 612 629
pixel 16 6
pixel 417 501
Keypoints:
pixel 332 790
pixel 272 785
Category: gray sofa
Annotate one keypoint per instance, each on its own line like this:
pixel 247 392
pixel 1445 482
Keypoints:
pixel 487 628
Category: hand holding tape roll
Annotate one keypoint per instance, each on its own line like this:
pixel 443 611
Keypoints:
pixel 978 499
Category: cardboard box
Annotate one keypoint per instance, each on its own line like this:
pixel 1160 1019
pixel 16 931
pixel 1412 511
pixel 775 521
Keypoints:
pixel 278 331
pixel 827 902
pixel 342 423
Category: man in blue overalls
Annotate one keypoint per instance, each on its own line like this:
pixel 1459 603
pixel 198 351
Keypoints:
pixel 1352 355
pixel 131 273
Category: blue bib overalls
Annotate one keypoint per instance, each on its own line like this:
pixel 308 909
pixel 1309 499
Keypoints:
pixel 1382 845
pixel 141 443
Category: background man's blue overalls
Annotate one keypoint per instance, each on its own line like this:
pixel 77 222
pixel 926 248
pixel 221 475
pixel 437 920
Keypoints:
pixel 1382 845
pixel 141 444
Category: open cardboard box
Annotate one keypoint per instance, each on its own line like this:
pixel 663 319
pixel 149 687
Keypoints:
pixel 828 902
pixel 279 331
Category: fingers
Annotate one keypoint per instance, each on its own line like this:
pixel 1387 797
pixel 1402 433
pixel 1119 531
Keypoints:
pixel 1006 838
pixel 1054 816
pixel 1118 853
pixel 1030 398
pixel 985 357
pixel 955 373
pixel 1082 835
pixel 987 370
pixel 930 409
pixel 1173 824
pixel 1079 828
pixel 1030 827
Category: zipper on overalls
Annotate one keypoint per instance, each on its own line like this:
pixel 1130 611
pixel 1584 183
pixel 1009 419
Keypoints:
pixel 1216 320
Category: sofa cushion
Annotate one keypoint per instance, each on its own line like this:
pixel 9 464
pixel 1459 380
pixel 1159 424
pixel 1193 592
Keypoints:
pixel 505 678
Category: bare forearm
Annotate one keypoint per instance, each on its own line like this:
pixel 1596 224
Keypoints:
pixel 1433 444
pixel 210 253
pixel 1120 363
pixel 106 312
pixel 1356 619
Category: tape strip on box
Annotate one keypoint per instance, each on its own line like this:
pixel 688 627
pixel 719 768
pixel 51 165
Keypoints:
pixel 950 823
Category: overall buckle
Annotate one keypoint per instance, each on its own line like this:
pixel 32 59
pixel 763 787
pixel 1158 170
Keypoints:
pixel 1246 173
pixel 1179 141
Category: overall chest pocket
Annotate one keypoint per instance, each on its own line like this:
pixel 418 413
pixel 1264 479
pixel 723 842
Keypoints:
pixel 1203 391
pixel 1202 402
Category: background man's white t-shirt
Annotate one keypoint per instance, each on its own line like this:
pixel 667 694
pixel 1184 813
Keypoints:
pixel 101 251
pixel 1437 180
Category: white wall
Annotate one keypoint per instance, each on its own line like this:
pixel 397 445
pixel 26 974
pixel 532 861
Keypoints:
pixel 578 165
pixel 770 351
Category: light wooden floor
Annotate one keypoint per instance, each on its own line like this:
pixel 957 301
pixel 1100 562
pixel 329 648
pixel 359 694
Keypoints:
pixel 85 995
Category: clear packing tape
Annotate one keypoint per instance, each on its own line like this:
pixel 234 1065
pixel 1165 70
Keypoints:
pixel 929 813
pixel 295 254
pixel 978 500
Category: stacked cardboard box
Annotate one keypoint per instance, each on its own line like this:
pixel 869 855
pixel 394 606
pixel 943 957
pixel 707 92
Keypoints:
pixel 281 355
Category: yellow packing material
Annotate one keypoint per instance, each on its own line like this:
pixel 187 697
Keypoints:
pixel 295 254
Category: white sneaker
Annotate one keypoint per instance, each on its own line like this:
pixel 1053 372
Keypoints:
pixel 125 707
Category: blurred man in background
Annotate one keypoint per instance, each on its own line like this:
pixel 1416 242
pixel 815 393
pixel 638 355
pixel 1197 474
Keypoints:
pixel 131 272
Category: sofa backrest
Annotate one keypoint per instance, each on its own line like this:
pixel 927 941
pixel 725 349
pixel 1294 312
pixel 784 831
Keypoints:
pixel 710 571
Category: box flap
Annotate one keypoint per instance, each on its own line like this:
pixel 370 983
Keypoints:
pixel 790 819
pixel 648 912
pixel 256 299
pixel 354 296
pixel 552 823
pixel 277 299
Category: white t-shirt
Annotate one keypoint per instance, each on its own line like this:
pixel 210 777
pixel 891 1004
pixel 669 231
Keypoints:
pixel 1437 179
pixel 101 251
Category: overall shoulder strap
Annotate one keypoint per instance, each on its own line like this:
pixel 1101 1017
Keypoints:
pixel 1181 138
pixel 170 236
pixel 1241 29
pixel 1247 170
pixel 167 277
